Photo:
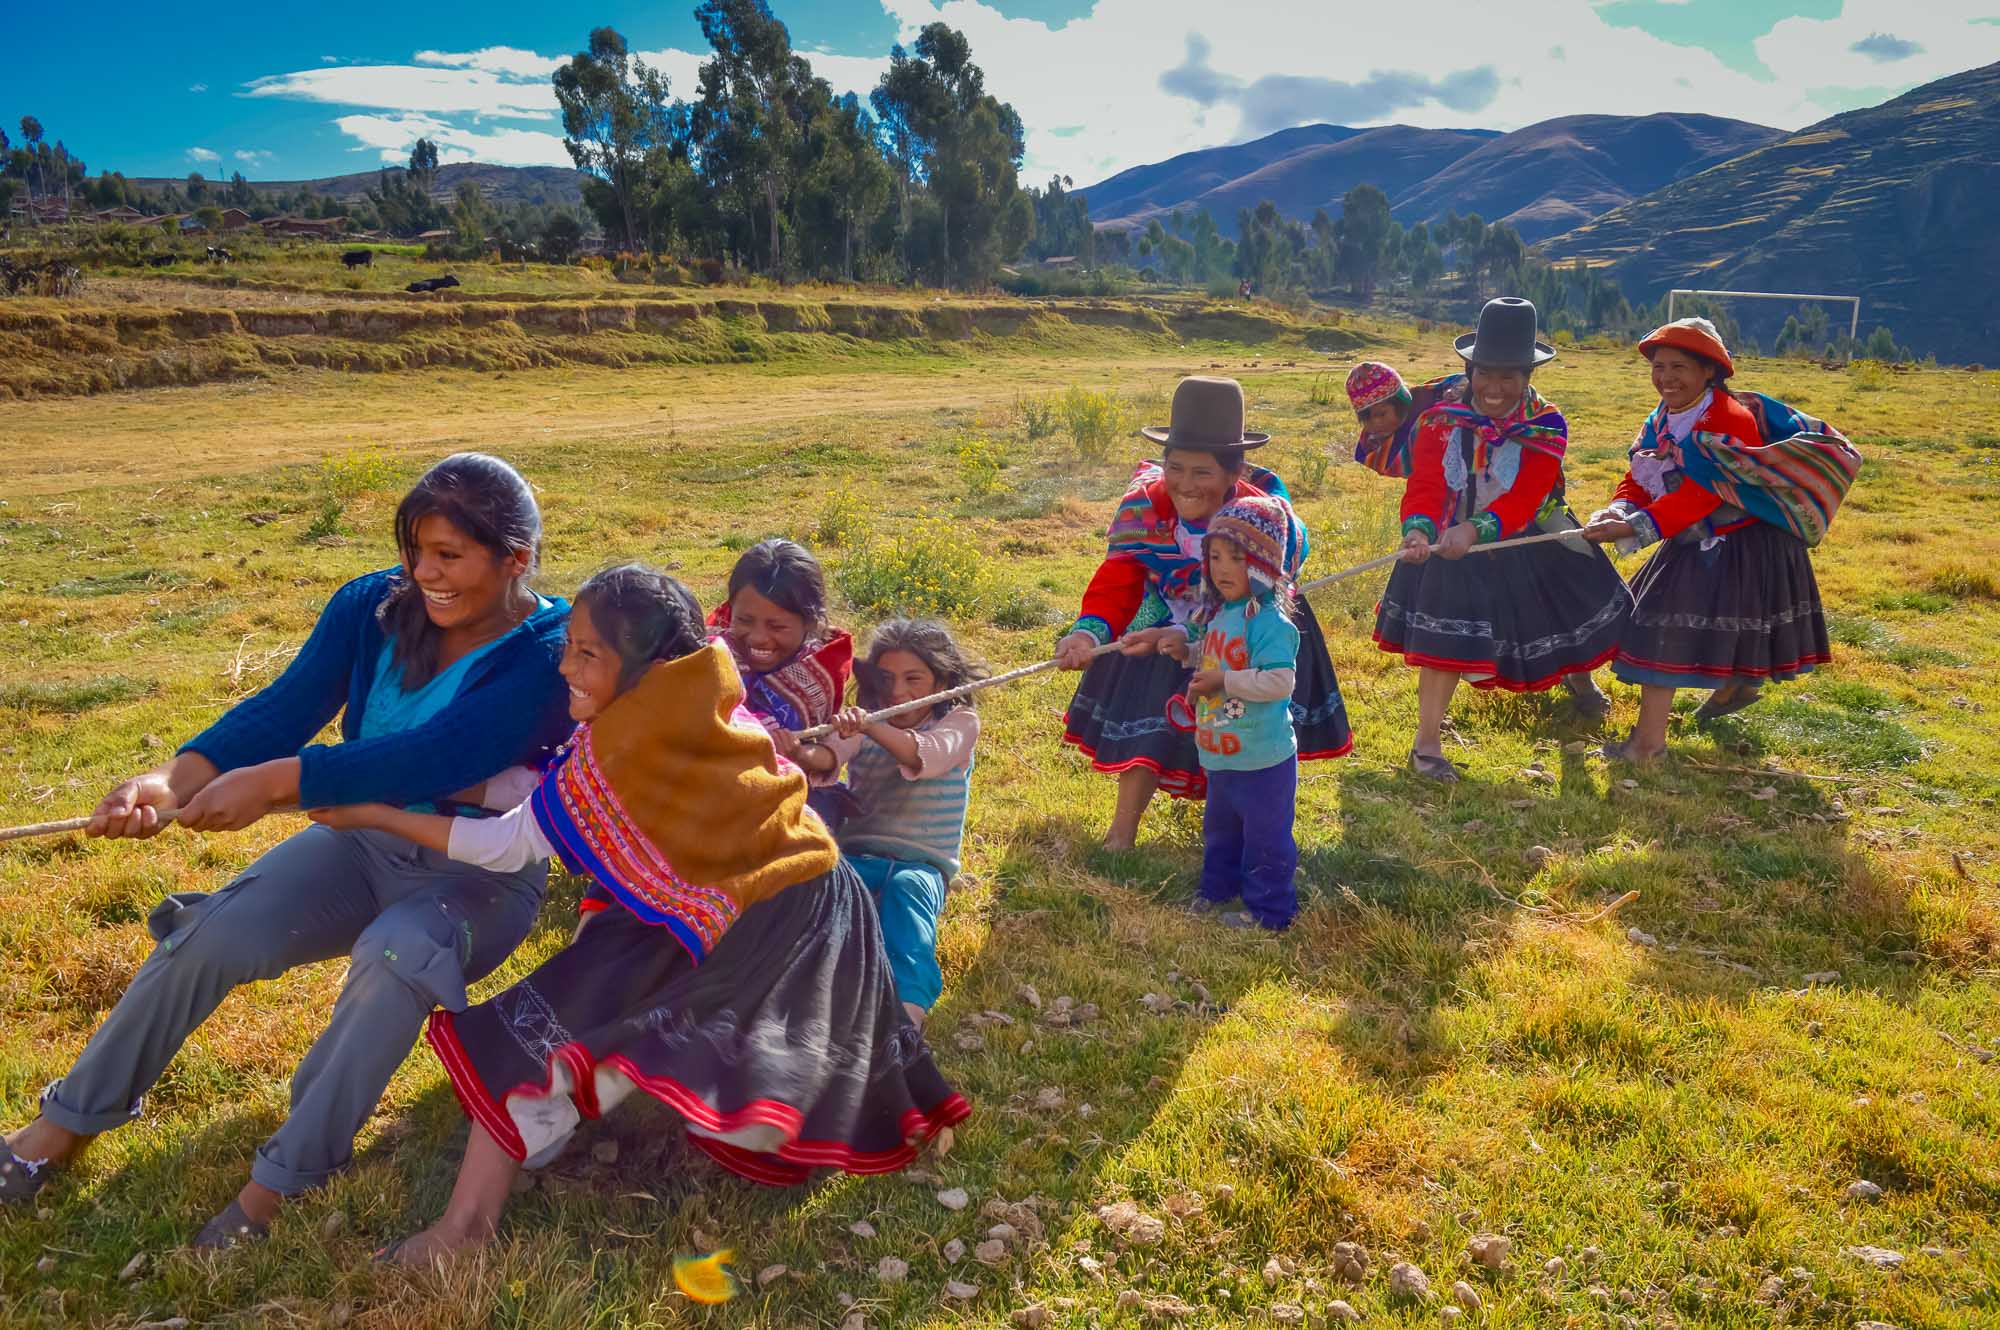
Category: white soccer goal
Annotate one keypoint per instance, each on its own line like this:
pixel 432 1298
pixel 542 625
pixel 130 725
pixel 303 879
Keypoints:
pixel 1853 326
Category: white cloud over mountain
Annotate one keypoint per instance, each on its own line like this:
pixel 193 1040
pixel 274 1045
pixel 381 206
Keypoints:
pixel 1136 81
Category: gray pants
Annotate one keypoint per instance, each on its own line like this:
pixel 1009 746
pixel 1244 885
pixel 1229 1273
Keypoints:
pixel 418 926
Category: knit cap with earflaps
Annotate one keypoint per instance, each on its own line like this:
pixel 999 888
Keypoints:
pixel 674 799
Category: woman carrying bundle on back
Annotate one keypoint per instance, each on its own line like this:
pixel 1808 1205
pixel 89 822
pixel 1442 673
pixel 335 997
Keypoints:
pixel 1486 470
pixel 1736 489
pixel 729 965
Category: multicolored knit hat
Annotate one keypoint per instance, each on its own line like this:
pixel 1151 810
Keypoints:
pixel 1267 531
pixel 1371 381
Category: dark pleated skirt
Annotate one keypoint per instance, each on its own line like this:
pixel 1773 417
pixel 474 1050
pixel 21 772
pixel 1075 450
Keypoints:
pixel 1514 619
pixel 1118 717
pixel 1746 609
pixel 791 1023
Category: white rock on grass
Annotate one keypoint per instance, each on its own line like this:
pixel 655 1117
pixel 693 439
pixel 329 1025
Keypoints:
pixel 1554 1267
pixel 953 1198
pixel 133 1267
pixel 955 1288
pixel 1409 1282
pixel 954 1251
pixel 770 1274
pixel 862 1229
pixel 1863 1190
pixel 1027 994
pixel 1641 938
pixel 1034 1317
pixel 1350 1262
pixel 1466 1296
pixel 991 1252
pixel 1288 1313
pixel 1274 1274
pixel 1341 1310
pixel 1489 1249
pixel 891 1270
pixel 1882 1258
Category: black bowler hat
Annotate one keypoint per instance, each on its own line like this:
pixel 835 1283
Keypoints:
pixel 1506 337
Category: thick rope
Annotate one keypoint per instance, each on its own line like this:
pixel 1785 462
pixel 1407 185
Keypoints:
pixel 921 703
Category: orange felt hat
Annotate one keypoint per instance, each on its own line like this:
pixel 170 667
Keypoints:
pixel 1695 336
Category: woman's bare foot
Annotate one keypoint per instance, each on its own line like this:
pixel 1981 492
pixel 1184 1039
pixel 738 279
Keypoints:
pixel 260 1203
pixel 422 1250
pixel 1630 750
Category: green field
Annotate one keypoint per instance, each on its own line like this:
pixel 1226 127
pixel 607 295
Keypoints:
pixel 1446 1045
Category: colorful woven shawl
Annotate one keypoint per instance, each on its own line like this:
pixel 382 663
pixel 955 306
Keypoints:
pixel 804 691
pixel 1533 424
pixel 1390 454
pixel 1145 528
pixel 1794 478
pixel 674 799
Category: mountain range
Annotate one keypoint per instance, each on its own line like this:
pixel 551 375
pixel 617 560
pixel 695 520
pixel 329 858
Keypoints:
pixel 1541 180
pixel 1894 203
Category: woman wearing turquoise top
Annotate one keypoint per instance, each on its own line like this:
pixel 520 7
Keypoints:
pixel 443 672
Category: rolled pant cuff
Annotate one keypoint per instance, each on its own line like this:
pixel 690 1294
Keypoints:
pixel 53 1110
pixel 268 1172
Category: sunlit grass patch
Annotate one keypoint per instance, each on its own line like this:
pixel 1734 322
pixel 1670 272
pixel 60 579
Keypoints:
pixel 71 696
pixel 1849 724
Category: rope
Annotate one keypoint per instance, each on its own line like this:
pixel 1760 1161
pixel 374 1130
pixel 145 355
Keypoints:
pixel 167 815
pixel 966 690
pixel 921 703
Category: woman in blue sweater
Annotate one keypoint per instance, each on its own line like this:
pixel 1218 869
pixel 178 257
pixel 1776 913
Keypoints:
pixel 443 672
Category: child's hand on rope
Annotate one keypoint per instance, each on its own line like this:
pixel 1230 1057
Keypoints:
pixel 1177 646
pixel 785 742
pixel 1145 641
pixel 850 721
pixel 1206 683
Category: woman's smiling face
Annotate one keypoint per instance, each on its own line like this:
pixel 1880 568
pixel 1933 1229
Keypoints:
pixel 1197 482
pixel 763 633
pixel 1496 392
pixel 464 584
pixel 1679 378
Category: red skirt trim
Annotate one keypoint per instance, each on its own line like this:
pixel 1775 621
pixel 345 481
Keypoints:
pixel 1541 685
pixel 789 1164
pixel 1816 658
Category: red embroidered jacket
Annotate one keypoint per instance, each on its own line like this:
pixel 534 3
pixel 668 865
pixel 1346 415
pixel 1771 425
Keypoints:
pixel 1427 498
pixel 1689 502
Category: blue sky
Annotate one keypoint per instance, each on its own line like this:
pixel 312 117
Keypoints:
pixel 298 90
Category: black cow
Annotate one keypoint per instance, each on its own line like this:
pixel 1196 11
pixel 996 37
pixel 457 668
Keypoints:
pixel 162 260
pixel 432 284
pixel 358 258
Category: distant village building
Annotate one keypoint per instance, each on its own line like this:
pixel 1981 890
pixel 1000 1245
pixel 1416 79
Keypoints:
pixel 235 219
pixel 318 228
pixel 1060 261
pixel 123 213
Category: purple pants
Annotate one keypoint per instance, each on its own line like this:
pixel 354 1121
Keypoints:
pixel 1247 828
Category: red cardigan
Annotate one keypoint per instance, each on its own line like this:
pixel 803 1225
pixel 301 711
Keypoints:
pixel 1426 496
pixel 1681 508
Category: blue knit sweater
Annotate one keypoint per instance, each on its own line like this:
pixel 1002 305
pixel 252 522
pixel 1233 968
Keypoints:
pixel 512 706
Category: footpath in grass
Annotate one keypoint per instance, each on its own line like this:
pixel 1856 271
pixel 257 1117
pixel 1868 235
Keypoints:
pixel 1665 1113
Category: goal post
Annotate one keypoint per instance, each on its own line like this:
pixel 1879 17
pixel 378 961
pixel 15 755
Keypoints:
pixel 1854 321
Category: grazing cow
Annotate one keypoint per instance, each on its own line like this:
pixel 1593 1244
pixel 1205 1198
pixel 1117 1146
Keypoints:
pixel 217 254
pixel 358 258
pixel 162 260
pixel 432 284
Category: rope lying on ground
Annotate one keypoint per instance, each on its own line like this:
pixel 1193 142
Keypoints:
pixel 965 690
pixel 919 704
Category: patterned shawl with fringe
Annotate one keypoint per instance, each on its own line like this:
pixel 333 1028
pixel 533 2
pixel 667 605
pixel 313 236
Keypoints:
pixel 1391 454
pixel 1794 478
pixel 1535 424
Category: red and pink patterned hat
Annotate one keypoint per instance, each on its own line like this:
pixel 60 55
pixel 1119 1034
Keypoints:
pixel 1371 381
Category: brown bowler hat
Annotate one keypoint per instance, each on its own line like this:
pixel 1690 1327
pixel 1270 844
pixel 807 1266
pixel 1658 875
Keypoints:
pixel 1207 416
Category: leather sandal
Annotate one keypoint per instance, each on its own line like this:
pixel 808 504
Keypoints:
pixel 1585 697
pixel 231 1228
pixel 1709 710
pixel 1431 767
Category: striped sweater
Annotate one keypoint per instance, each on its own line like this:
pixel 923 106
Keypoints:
pixel 914 815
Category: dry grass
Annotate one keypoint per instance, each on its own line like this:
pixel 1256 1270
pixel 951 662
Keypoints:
pixel 1440 1048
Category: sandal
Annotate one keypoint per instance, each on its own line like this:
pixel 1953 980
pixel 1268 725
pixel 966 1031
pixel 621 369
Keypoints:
pixel 1585 697
pixel 1432 767
pixel 1710 710
pixel 229 1229
pixel 21 1179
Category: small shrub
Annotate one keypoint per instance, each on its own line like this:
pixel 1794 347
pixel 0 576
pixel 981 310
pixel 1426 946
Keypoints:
pixel 1307 469
pixel 1020 608
pixel 979 467
pixel 843 522
pixel 1872 376
pixel 344 478
pixel 1326 390
pixel 1095 420
pixel 1039 416
pixel 932 568
pixel 326 522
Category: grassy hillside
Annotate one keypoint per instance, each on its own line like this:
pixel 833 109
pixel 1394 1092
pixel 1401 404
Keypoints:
pixel 1892 203
pixel 500 184
pixel 1664 1122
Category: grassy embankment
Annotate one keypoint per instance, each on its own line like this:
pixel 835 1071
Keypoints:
pixel 1440 1048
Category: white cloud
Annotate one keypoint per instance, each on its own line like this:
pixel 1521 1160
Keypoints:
pixel 392 136
pixel 508 60
pixel 252 156
pixel 1928 41
pixel 412 88
pixel 206 156
pixel 197 87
